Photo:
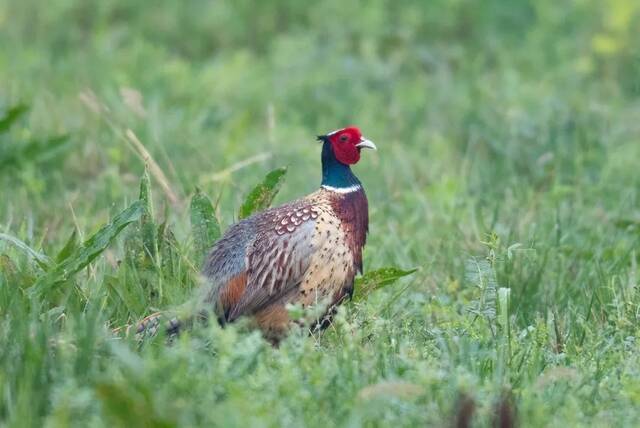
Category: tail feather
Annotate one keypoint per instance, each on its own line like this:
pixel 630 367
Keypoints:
pixel 151 325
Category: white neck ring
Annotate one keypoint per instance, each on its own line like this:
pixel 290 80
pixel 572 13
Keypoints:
pixel 349 189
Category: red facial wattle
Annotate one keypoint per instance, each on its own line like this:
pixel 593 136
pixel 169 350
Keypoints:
pixel 344 143
pixel 346 153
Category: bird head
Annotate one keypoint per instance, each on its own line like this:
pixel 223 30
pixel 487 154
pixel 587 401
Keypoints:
pixel 346 144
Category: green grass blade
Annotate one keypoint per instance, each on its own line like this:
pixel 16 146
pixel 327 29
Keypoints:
pixel 11 116
pixel 204 224
pixel 504 295
pixel 148 228
pixel 43 261
pixel 262 195
pixel 89 250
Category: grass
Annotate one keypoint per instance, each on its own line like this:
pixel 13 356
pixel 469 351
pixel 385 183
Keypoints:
pixel 507 171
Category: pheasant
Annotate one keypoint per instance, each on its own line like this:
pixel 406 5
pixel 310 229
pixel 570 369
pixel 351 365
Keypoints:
pixel 305 252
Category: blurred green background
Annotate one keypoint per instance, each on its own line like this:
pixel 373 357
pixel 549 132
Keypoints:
pixel 507 132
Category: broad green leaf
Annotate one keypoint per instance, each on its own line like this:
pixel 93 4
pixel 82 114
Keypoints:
pixel 45 149
pixel 11 115
pixel 32 151
pixel 69 247
pixel 378 279
pixel 43 261
pixel 204 224
pixel 262 195
pixel 141 243
pixel 89 250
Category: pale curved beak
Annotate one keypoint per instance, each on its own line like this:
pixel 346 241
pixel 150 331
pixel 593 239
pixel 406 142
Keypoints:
pixel 366 144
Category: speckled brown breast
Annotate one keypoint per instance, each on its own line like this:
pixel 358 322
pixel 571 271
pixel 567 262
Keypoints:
pixel 338 243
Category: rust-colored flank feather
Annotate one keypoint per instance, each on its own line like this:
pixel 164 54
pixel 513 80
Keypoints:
pixel 232 291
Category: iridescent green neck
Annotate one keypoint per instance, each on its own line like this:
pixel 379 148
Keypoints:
pixel 335 174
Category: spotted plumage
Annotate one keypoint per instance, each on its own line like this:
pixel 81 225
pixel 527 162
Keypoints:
pixel 304 252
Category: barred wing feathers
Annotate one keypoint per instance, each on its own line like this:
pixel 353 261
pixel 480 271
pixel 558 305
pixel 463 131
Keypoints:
pixel 262 259
pixel 278 259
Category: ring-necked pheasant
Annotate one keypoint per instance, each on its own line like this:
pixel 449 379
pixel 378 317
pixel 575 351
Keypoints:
pixel 305 252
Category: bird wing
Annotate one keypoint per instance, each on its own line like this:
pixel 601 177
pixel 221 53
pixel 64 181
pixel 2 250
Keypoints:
pixel 278 257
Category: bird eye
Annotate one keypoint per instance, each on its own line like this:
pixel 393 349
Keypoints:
pixel 344 138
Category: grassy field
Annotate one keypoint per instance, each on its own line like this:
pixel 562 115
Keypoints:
pixel 507 171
